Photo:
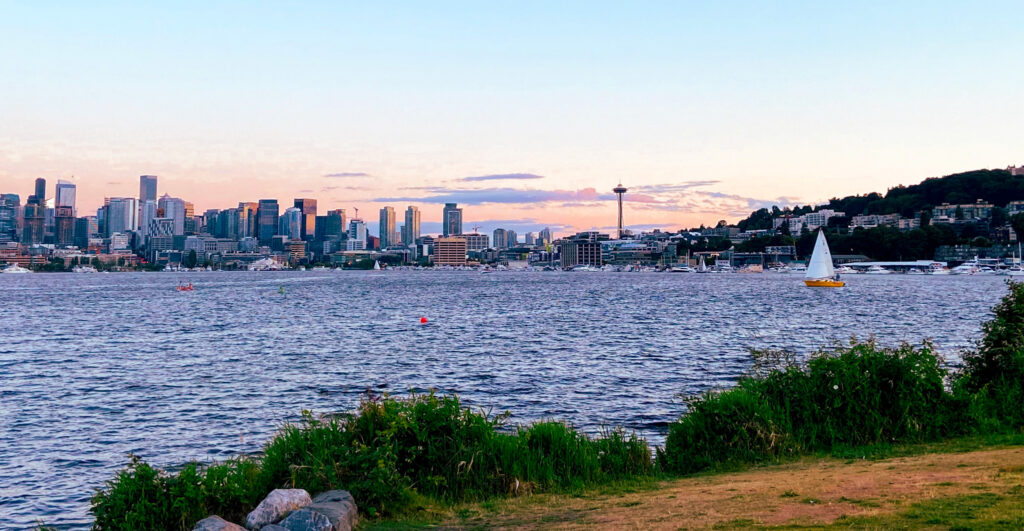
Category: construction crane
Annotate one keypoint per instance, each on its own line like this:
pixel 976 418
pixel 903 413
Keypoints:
pixel 476 229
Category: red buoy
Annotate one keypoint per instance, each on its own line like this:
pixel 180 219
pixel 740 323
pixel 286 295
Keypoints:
pixel 423 319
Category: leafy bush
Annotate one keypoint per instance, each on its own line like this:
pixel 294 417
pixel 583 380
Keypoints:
pixel 994 373
pixel 856 395
pixel 386 453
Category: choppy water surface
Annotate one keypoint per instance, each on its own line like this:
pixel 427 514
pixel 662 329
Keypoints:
pixel 95 366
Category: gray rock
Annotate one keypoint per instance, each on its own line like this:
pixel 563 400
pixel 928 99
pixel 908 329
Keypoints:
pixel 334 510
pixel 273 527
pixel 307 519
pixel 277 505
pixel 216 523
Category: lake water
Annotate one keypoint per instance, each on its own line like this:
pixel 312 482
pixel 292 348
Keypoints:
pixel 93 367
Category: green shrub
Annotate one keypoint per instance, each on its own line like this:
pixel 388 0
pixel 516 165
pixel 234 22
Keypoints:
pixel 856 395
pixel 994 372
pixel 386 453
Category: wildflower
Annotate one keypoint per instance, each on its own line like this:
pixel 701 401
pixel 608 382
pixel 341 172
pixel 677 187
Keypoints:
pixel 835 387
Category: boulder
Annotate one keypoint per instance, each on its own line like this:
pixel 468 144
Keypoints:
pixel 273 527
pixel 216 523
pixel 277 505
pixel 334 510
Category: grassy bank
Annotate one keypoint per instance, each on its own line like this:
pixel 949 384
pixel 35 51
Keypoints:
pixel 402 455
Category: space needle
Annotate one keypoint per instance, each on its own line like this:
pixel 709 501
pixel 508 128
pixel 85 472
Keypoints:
pixel 619 191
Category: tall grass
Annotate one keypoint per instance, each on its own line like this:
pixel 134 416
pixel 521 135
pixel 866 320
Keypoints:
pixel 386 453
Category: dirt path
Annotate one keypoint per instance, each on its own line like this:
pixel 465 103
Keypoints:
pixel 810 492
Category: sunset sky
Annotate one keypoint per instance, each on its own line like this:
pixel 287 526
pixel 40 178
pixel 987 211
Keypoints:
pixel 525 113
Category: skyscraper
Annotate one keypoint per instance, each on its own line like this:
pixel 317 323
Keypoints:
pixel 33 222
pixel 247 219
pixel 500 239
pixel 356 235
pixel 147 188
pixel 544 237
pixel 227 223
pixel 291 223
pixel 173 208
pixel 147 213
pixel 66 195
pixel 266 220
pixel 388 236
pixel 451 219
pixel 10 211
pixel 120 216
pixel 512 238
pixel 411 228
pixel 308 209
pixel 63 225
pixel 40 195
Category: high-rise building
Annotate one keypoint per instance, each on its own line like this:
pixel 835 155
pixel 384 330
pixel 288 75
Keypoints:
pixel 173 208
pixel 512 239
pixel 308 209
pixel 10 213
pixel 411 228
pixel 266 223
pixel 33 222
pixel 227 224
pixel 580 252
pixel 40 195
pixel 357 230
pixel 210 220
pixel 500 239
pixel 387 233
pixel 191 224
pixel 476 242
pixel 451 219
pixel 531 240
pixel 147 188
pixel 64 226
pixel 85 228
pixel 291 223
pixel 544 237
pixel 65 196
pixel 331 226
pixel 247 220
pixel 120 215
pixel 147 213
pixel 450 251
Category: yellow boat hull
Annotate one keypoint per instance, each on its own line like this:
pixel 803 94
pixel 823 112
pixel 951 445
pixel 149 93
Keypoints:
pixel 824 283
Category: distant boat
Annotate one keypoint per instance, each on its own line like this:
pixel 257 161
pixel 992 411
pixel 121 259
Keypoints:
pixel 681 269
pixel 877 270
pixel 701 267
pixel 185 287
pixel 820 273
pixel 376 265
pixel 83 269
pixel 15 268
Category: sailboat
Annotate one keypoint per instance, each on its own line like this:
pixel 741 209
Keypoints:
pixel 376 265
pixel 820 273
pixel 701 268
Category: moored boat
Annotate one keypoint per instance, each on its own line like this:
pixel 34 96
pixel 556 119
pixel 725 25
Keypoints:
pixel 15 268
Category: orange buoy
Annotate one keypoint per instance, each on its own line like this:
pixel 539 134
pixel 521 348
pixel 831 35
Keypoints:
pixel 423 319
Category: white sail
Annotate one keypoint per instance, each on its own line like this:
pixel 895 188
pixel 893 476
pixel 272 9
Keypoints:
pixel 376 265
pixel 820 265
pixel 702 267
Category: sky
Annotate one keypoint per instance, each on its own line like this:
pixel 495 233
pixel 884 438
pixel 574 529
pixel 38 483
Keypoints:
pixel 525 113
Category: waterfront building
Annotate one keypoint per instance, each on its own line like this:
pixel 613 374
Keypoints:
pixel 296 251
pixel 411 228
pixel 476 242
pixel 10 212
pixel 450 251
pixel 247 220
pixel 582 251
pixel 64 226
pixel 65 196
pixel 386 230
pixel 290 223
pixel 266 222
pixel 147 188
pixel 120 215
pixel 307 229
pixel 120 242
pixel 500 238
pixel 173 208
pixel 451 219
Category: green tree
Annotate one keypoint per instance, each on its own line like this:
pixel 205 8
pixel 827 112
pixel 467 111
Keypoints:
pixel 1017 223
pixel 191 260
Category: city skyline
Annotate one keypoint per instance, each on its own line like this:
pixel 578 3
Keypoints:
pixel 461 105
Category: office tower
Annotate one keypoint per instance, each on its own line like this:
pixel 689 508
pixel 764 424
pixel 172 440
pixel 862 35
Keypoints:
pixel 500 239
pixel 190 226
pixel 331 226
pixel 340 213
pixel 210 220
pixel 308 209
pixel 512 239
pixel 290 223
pixel 451 219
pixel 476 242
pixel 40 195
pixel 531 240
pixel 147 188
pixel 84 229
pixel 65 196
pixel 450 251
pixel 173 208
pixel 33 222
pixel 266 220
pixel 10 212
pixel 356 235
pixel 545 236
pixel 120 215
pixel 64 226
pixel 388 236
pixel 411 229
pixel 147 212
pixel 227 224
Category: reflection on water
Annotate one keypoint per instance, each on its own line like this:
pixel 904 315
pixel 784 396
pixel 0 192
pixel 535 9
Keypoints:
pixel 96 366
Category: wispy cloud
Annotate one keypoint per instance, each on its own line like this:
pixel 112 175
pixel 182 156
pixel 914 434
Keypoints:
pixel 347 174
pixel 496 196
pixel 503 177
